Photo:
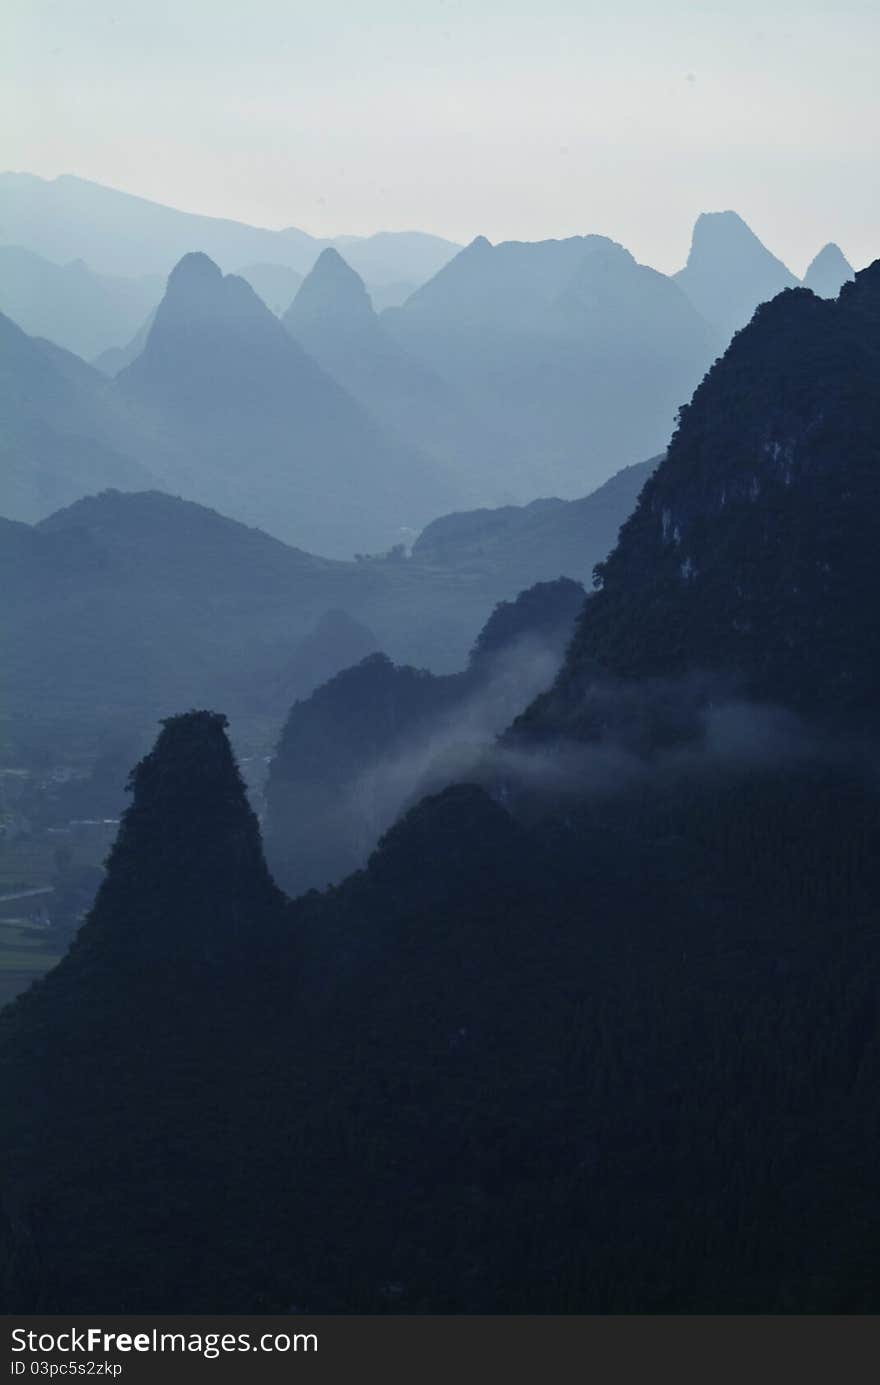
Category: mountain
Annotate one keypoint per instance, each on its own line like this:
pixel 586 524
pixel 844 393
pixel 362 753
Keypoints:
pixel 828 272
pixel 729 272
pixel 539 540
pixel 263 432
pixel 68 218
pixel 594 1032
pixel 751 552
pixel 121 607
pixel 171 939
pixel 333 319
pixel 378 736
pixel 71 305
pixel 65 430
pixel 571 353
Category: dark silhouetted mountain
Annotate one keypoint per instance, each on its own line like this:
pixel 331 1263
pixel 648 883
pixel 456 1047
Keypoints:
pixel 570 352
pixel 828 272
pixel 69 218
pixel 263 433
pixel 621 1060
pixel 333 318
pixel 65 431
pixel 751 553
pixel 275 283
pixel 729 272
pixel 540 539
pixel 606 1046
pixel 69 304
pixel 379 735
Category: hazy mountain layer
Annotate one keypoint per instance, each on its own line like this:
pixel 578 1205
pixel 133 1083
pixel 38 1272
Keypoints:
pixel 69 218
pixel 123 607
pixel 65 430
pixel 263 432
pixel 379 736
pixel 333 318
pixel 828 272
pixel 570 352
pixel 729 272
pixel 71 305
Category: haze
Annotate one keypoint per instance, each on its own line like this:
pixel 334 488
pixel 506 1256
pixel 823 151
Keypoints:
pixel 459 119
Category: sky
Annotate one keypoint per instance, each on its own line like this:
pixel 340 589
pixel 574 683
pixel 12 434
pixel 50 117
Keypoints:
pixel 511 120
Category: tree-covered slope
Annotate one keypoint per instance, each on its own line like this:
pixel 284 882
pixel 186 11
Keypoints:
pixel 751 552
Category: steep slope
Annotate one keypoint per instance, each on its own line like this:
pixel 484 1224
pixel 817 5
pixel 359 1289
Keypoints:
pixel 751 553
pixel 828 272
pixel 617 1053
pixel 729 272
pixel 263 433
pixel 572 353
pixel 183 925
pixel 69 304
pixel 65 432
pixel 333 318
pixel 379 735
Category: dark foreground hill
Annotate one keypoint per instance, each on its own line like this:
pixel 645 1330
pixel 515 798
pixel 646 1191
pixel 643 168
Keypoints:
pixel 597 1033
pixel 751 552
pixel 623 1059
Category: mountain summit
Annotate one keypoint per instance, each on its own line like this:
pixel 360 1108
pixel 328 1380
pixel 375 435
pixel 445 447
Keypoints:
pixel 828 272
pixel 332 297
pixel 729 271
pixel 263 432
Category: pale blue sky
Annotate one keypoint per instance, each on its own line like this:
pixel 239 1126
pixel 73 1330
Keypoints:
pixel 505 119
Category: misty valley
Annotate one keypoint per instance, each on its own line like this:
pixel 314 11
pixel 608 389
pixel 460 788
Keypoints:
pixel 439 770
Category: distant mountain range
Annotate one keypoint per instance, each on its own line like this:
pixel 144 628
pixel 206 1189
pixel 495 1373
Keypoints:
pixel 221 406
pixel 66 430
pixel 263 433
pixel 517 370
pixel 570 352
pixel 70 218
pixel 123 605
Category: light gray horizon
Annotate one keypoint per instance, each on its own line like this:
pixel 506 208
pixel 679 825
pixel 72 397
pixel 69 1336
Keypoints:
pixel 486 118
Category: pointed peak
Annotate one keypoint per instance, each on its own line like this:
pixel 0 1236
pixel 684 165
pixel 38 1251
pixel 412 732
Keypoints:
pixel 828 271
pixel 478 243
pixel 186 878
pixel 330 260
pixel 194 268
pixel 332 296
pixel 198 292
